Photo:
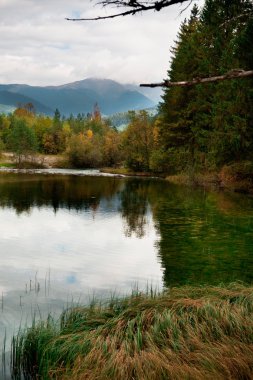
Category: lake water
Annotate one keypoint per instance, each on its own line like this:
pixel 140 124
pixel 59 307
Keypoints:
pixel 67 238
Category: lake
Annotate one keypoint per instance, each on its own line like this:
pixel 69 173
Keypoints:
pixel 67 238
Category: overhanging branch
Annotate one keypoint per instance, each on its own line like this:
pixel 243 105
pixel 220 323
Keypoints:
pixel 135 7
pixel 233 74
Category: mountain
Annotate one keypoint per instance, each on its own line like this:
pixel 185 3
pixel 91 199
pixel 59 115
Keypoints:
pixel 77 97
pixel 12 100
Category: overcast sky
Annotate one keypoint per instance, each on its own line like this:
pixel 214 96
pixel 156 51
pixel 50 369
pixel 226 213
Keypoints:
pixel 39 47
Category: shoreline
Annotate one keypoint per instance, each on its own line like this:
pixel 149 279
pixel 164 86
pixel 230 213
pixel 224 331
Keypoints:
pixel 220 180
pixel 210 180
pixel 213 181
pixel 237 177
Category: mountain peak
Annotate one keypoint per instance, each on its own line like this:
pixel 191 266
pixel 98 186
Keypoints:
pixel 80 96
pixel 100 85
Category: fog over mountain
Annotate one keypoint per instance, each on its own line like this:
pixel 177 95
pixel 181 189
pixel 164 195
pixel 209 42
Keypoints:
pixel 79 97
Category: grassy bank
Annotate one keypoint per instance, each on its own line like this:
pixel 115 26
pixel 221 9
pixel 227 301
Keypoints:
pixel 183 333
pixel 237 177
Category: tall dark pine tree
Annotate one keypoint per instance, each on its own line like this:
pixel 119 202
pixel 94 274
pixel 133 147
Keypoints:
pixel 176 137
pixel 57 132
pixel 227 33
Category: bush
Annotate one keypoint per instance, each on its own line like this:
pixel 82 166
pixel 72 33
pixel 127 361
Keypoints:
pixel 237 171
pixel 84 152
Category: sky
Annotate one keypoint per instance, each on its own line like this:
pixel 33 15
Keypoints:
pixel 39 47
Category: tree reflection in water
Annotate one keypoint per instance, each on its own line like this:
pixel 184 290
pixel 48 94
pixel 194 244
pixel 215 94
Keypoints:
pixel 134 206
pixel 202 237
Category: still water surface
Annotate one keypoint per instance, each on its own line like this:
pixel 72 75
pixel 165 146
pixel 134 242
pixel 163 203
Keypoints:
pixel 64 238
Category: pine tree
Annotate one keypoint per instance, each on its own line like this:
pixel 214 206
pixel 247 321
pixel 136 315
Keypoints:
pixel 176 137
pixel 21 140
pixel 209 125
pixel 231 136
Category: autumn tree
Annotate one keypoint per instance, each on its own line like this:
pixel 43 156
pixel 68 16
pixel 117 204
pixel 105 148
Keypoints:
pixel 137 141
pixel 53 140
pixel 42 126
pixel 25 110
pixel 84 152
pixel 96 115
pixel 112 153
pixel 5 123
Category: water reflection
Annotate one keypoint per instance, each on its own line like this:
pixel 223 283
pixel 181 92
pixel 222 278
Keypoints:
pixel 206 237
pixel 185 236
pixel 62 240
pixel 134 207
pixel 25 191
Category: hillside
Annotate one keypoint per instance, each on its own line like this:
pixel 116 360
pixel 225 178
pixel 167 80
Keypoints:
pixel 76 97
pixel 121 120
pixel 12 100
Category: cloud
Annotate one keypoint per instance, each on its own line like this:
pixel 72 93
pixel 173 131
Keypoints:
pixel 41 48
pixel 56 242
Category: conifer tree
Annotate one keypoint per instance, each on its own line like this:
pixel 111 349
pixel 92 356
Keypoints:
pixel 176 137
pixel 209 125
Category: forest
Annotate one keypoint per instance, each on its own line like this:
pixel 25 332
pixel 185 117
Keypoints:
pixel 197 128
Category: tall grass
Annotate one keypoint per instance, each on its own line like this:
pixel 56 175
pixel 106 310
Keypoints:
pixel 183 333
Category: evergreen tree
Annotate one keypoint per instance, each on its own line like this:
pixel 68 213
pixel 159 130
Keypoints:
pixel 231 136
pixel 176 137
pixel 209 125
pixel 21 140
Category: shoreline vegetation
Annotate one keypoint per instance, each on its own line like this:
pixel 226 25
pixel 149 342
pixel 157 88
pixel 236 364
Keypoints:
pixel 203 332
pixel 237 177
pixel 234 178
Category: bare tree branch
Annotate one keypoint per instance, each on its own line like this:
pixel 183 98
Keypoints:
pixel 233 74
pixel 240 16
pixel 134 7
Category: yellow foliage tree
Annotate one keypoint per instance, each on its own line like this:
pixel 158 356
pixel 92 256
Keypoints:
pixel 89 134
pixel 111 147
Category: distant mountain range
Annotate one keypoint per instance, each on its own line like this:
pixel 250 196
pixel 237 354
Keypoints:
pixel 79 97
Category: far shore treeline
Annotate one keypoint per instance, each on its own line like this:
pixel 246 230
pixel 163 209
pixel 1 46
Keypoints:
pixel 203 127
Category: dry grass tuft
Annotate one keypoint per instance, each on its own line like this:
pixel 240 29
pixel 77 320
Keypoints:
pixel 183 333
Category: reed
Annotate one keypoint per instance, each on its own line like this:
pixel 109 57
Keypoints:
pixel 182 333
pixel 3 364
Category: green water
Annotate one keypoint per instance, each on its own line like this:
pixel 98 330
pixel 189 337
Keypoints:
pixel 206 237
pixel 177 235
